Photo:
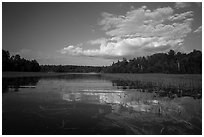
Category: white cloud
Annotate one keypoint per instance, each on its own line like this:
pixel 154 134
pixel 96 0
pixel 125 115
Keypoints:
pixel 135 21
pixel 72 50
pixel 199 29
pixel 179 5
pixel 129 47
pixel 181 16
pixel 143 22
pixel 97 41
pixel 139 32
pixel 110 20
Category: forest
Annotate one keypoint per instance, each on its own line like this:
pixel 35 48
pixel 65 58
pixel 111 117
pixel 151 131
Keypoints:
pixel 168 63
pixel 71 68
pixel 16 63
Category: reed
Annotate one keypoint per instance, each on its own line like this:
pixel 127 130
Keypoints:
pixel 163 84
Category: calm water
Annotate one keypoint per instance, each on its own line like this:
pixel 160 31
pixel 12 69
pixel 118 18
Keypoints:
pixel 91 104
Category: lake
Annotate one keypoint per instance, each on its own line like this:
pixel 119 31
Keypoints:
pixel 94 104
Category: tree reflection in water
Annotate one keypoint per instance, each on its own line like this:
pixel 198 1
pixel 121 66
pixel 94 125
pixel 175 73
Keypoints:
pixel 15 83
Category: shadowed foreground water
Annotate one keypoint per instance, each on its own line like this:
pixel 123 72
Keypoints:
pixel 91 104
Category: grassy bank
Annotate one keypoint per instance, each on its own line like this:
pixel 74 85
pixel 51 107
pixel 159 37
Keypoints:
pixel 190 81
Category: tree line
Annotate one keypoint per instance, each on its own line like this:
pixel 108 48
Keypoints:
pixel 71 68
pixel 171 62
pixel 16 63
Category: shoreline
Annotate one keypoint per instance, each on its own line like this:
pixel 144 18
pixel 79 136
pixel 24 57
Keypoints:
pixel 14 74
pixel 181 81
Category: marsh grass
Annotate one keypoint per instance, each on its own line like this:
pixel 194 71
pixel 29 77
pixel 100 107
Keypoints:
pixel 170 85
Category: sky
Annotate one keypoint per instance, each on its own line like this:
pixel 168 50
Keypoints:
pixel 97 34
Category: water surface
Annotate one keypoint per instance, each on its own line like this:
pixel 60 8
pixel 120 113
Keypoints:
pixel 92 104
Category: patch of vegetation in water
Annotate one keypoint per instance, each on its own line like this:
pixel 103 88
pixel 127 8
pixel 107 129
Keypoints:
pixel 159 89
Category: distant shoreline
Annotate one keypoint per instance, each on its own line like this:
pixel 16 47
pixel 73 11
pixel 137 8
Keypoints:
pixel 186 81
pixel 13 74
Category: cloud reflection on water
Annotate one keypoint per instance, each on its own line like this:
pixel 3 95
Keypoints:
pixel 119 99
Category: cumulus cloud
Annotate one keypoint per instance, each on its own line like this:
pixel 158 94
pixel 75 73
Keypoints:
pixel 72 50
pixel 181 16
pixel 139 32
pixel 179 5
pixel 199 29
pixel 110 48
